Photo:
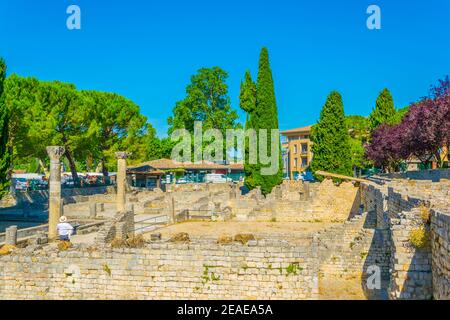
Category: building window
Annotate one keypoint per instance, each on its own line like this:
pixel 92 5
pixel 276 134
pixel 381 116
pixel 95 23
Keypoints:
pixel 295 148
pixel 304 148
pixel 295 162
pixel 304 162
pixel 293 138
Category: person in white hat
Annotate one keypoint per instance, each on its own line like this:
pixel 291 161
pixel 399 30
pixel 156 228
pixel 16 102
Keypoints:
pixel 64 228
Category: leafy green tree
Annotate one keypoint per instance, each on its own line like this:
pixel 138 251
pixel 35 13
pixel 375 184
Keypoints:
pixel 384 111
pixel 207 101
pixel 90 125
pixel 65 116
pixel 32 126
pixel 331 142
pixel 399 114
pixel 21 100
pixel 116 124
pixel 5 150
pixel 358 129
pixel 164 150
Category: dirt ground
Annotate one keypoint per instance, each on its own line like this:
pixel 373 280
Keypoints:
pixel 203 228
pixel 347 287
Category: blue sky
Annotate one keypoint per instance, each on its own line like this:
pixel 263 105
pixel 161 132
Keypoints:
pixel 147 50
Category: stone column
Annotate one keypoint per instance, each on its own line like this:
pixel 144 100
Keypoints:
pixel 92 210
pixel 172 208
pixel 55 203
pixel 121 180
pixel 11 235
pixel 306 192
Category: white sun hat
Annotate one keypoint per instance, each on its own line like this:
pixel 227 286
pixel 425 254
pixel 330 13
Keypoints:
pixel 63 219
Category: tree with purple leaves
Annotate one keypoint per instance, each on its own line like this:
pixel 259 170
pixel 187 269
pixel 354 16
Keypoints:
pixel 424 132
pixel 386 149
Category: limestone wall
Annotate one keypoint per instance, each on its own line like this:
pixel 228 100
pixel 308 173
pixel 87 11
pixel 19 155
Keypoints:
pixel 39 198
pixel 440 247
pixel 416 273
pixel 163 271
pixel 433 175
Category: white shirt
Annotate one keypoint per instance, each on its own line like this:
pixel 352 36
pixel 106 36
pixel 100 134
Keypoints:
pixel 64 229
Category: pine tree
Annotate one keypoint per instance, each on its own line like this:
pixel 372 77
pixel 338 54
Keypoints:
pixel 331 141
pixel 5 155
pixel 384 111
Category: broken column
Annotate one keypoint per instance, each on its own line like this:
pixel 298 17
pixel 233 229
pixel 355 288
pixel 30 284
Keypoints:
pixel 92 210
pixel 55 203
pixel 172 217
pixel 121 180
pixel 11 235
pixel 306 192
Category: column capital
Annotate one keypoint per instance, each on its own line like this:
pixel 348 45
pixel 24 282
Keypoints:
pixel 55 152
pixel 122 155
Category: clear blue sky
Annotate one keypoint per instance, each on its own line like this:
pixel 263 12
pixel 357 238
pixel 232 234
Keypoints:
pixel 147 50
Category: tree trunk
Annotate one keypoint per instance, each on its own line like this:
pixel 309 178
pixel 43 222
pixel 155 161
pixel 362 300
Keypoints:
pixel 89 163
pixel 72 165
pixel 104 169
pixel 44 167
pixel 68 154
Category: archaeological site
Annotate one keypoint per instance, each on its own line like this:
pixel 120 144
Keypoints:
pixel 387 237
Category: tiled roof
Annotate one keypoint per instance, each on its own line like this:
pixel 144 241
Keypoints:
pixel 297 130
pixel 167 164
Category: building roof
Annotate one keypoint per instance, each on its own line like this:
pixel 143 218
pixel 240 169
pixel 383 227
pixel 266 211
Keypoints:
pixel 306 129
pixel 168 164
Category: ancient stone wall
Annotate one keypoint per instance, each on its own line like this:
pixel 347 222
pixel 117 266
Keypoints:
pixel 416 272
pixel 39 198
pixel 434 175
pixel 274 270
pixel 440 248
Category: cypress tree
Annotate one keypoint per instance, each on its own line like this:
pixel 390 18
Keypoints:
pixel 266 117
pixel 5 155
pixel 384 111
pixel 247 102
pixel 258 101
pixel 331 141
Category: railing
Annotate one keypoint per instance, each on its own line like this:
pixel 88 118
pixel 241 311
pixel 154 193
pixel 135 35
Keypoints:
pixel 192 214
pixel 26 233
pixel 151 223
pixel 156 222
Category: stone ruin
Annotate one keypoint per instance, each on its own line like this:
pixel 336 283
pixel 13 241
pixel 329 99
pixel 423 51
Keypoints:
pixel 367 224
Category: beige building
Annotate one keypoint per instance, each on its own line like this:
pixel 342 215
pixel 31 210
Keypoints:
pixel 298 150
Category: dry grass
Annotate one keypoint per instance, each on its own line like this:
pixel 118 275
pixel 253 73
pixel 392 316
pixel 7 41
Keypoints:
pixel 180 237
pixel 425 213
pixel 212 229
pixel 6 249
pixel 132 241
pixel 347 287
pixel 244 237
pixel 420 237
pixel 64 245
pixel 224 239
